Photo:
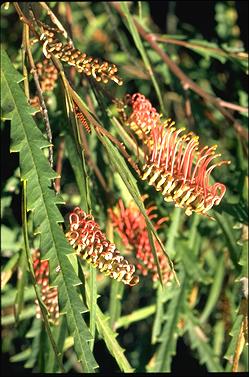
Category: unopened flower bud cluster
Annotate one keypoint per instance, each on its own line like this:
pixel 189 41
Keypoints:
pixel 100 71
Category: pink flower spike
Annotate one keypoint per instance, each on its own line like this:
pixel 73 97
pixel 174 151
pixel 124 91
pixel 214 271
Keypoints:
pixel 174 165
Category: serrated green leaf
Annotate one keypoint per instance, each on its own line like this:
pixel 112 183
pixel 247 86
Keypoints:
pixel 235 331
pixel 239 211
pixel 191 263
pixel 244 259
pixel 199 342
pixel 93 302
pixel 28 141
pixel 169 333
pixel 59 334
pixel 109 337
pixel 172 232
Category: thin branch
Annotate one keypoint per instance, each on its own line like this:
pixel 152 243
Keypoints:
pixel 57 184
pixel 186 82
pixel 39 92
pixel 233 106
pixel 24 68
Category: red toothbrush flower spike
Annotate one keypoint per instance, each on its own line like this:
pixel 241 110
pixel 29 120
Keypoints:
pixel 91 244
pixel 131 226
pixel 175 165
pixel 49 295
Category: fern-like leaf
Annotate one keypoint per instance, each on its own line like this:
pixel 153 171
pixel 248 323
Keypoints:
pixel 28 141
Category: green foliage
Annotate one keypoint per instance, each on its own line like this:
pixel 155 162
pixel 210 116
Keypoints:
pixel 169 334
pixel 103 324
pixel 28 141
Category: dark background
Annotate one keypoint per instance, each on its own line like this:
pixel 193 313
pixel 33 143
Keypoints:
pixel 199 14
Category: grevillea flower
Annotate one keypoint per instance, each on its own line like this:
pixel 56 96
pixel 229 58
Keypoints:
pixel 100 71
pixel 131 226
pixel 49 295
pixel 91 244
pixel 175 165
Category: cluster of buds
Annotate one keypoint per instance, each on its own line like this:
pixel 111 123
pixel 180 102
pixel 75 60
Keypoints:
pixel 48 75
pixel 131 227
pixel 49 294
pixel 100 71
pixel 175 165
pixel 91 244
